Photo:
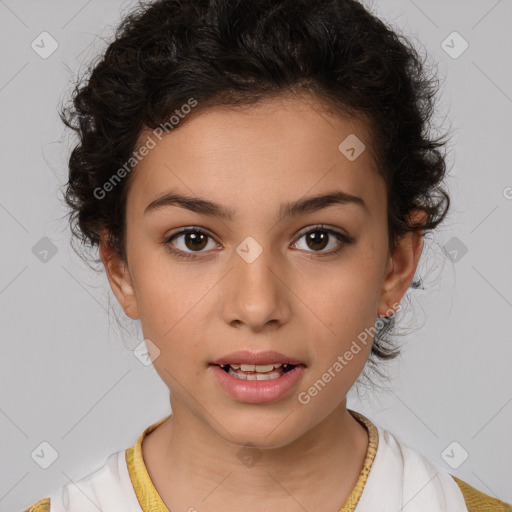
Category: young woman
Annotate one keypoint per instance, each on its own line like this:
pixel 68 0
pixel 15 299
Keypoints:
pixel 258 178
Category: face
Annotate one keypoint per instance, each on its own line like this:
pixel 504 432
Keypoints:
pixel 305 282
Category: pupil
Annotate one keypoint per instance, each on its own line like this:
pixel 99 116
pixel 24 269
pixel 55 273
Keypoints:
pixel 198 240
pixel 315 239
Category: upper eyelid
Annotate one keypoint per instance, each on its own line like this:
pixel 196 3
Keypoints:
pixel 320 227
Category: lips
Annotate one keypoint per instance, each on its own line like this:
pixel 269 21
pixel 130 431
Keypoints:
pixel 255 387
pixel 256 358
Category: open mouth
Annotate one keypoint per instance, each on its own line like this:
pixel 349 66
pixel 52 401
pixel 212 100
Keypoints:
pixel 257 371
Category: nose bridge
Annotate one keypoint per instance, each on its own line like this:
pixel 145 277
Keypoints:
pixel 256 291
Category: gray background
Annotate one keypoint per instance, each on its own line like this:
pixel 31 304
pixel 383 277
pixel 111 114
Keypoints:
pixel 68 376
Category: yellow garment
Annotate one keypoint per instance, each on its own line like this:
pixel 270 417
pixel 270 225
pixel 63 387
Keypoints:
pixel 150 501
pixel 477 501
pixel 40 506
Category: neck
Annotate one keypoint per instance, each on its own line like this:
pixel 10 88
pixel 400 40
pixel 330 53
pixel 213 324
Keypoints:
pixel 191 465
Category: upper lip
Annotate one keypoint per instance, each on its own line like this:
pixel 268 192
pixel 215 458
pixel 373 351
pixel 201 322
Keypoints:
pixel 248 357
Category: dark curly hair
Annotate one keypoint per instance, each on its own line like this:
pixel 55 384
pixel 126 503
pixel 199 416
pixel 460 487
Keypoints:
pixel 239 52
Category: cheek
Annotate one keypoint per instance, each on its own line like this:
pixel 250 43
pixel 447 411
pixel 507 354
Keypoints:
pixel 341 312
pixel 359 283
pixel 346 298
pixel 168 294
pixel 171 307
pixel 177 366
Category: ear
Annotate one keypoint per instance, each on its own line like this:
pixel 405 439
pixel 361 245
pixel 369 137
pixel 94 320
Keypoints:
pixel 402 265
pixel 119 278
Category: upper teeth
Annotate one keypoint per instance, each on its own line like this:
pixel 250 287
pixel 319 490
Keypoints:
pixel 260 368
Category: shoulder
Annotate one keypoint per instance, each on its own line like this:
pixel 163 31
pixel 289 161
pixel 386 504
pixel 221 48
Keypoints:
pixel 107 486
pixel 403 467
pixel 477 501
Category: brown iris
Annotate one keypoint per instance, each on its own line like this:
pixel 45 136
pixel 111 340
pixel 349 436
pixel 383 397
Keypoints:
pixel 195 240
pixel 317 239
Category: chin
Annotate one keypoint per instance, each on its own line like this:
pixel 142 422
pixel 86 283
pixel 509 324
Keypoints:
pixel 260 429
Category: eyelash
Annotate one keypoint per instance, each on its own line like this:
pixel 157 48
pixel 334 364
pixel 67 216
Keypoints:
pixel 182 255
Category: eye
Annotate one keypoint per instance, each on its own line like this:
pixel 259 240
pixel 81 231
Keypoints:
pixel 190 240
pixel 319 238
pixel 187 243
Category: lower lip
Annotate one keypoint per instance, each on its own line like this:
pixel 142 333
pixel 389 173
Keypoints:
pixel 257 391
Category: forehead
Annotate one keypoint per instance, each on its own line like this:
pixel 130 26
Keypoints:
pixel 254 156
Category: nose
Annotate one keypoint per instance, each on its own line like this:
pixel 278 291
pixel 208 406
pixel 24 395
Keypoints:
pixel 256 294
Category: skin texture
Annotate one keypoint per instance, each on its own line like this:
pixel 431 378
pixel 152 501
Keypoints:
pixel 290 299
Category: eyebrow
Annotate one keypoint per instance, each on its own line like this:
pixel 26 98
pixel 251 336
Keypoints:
pixel 291 209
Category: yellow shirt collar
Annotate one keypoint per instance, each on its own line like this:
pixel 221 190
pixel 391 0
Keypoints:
pixel 150 501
